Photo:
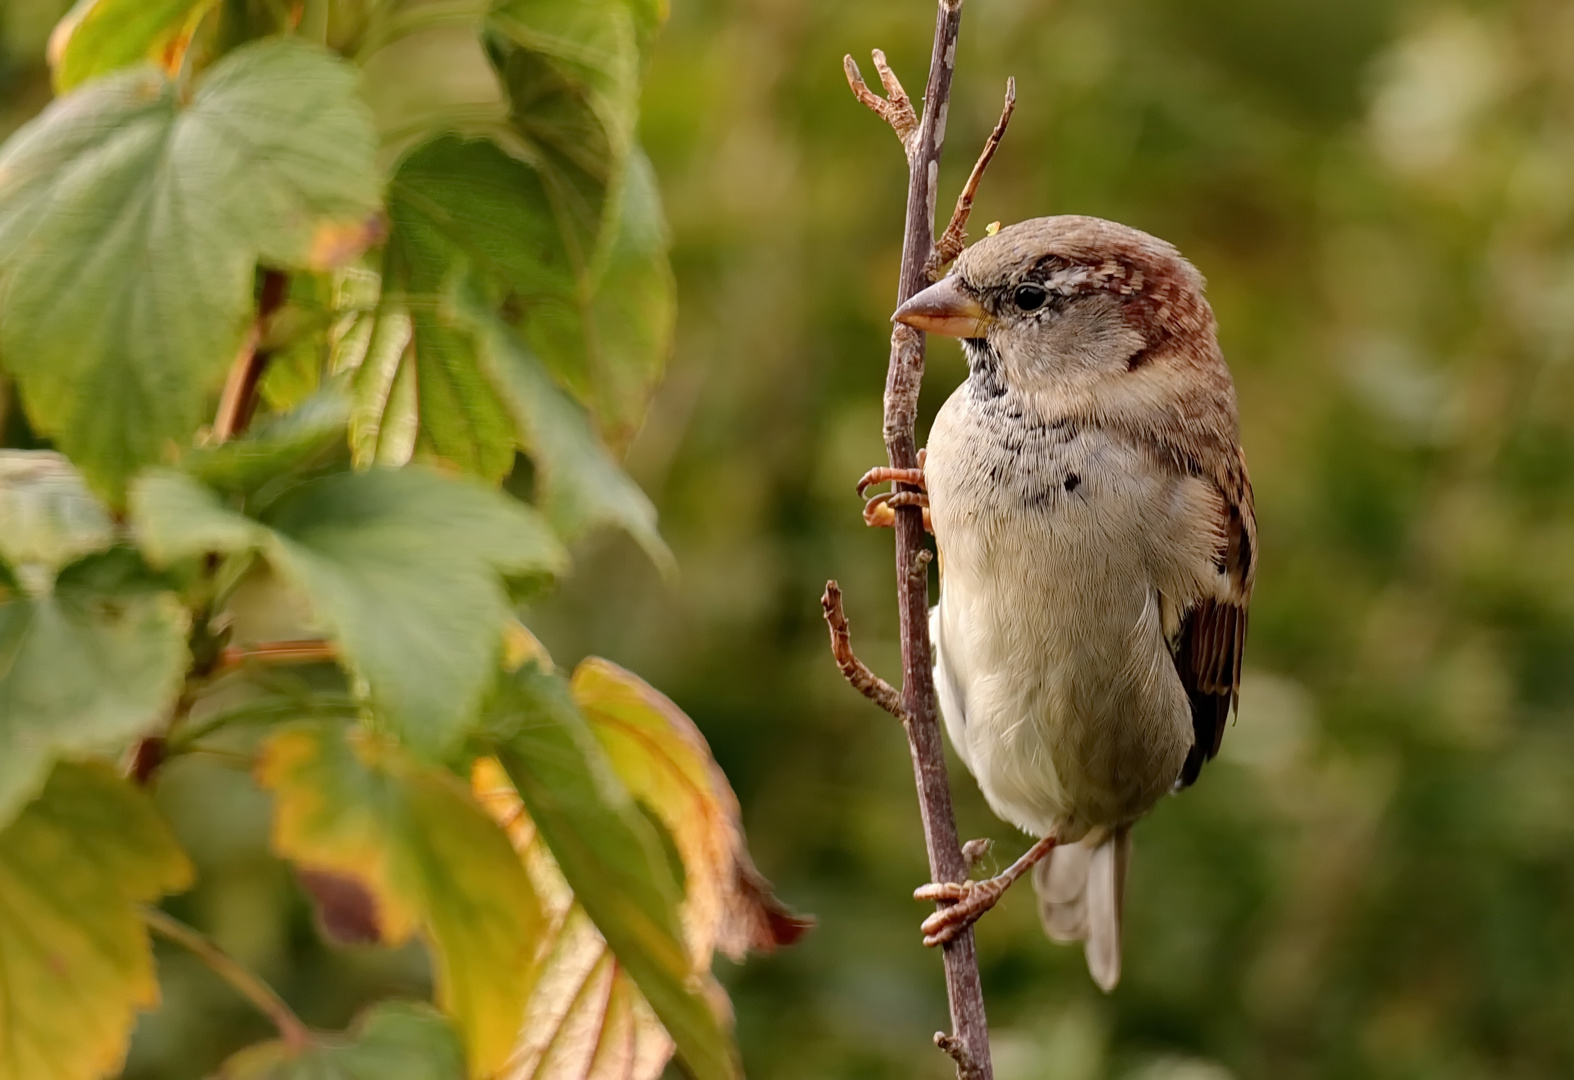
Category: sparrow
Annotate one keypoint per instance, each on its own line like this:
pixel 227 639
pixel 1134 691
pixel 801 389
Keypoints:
pixel 1093 519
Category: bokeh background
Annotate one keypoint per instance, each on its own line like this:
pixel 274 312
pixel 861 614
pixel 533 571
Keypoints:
pixel 1377 878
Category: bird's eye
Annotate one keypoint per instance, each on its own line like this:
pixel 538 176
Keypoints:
pixel 1030 297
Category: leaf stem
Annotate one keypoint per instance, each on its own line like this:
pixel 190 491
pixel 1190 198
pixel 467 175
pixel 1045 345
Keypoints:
pixel 245 982
pixel 265 712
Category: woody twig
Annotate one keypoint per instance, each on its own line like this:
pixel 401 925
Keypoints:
pixel 921 137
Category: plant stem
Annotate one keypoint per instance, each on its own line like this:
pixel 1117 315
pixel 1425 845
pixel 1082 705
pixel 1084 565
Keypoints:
pixel 968 1044
pixel 305 651
pixel 245 982
pixel 239 401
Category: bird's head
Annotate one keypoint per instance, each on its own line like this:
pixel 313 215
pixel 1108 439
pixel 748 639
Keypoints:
pixel 1069 304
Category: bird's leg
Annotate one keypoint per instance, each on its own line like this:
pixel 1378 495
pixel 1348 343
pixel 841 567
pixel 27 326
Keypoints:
pixel 880 511
pixel 970 899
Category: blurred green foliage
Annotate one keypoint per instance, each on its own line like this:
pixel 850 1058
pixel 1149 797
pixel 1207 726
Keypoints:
pixel 1377 880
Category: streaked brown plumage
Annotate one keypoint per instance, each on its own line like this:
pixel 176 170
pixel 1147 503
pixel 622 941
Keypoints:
pixel 1092 509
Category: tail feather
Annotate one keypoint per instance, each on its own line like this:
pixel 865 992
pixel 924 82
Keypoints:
pixel 1081 888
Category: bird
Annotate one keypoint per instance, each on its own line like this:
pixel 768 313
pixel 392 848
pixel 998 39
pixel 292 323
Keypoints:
pixel 1094 525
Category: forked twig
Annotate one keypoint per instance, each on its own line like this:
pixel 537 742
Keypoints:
pixel 955 235
pixel 854 670
pixel 896 108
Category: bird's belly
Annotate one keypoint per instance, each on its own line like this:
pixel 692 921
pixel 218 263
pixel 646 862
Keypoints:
pixel 1058 685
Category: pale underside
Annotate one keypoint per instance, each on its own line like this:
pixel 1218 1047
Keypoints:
pixel 1068 556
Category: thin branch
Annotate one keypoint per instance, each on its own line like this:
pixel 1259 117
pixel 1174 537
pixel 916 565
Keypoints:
pixel 903 377
pixel 854 670
pixel 966 1067
pixel 146 758
pixel 896 108
pixel 309 651
pixel 955 236
pixel 238 402
pixel 245 982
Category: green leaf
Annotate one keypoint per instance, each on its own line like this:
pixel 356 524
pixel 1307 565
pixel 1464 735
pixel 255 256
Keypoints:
pixel 74 868
pixel 98 36
pixel 458 89
pixel 581 485
pixel 459 201
pixel 465 208
pixel 596 301
pixel 368 345
pixel 633 310
pixel 91 661
pixel 612 348
pixel 573 74
pixel 461 420
pixel 454 204
pixel 608 854
pixel 312 433
pixel 391 1041
pixel 404 568
pixel 412 835
pixel 47 517
pixel 131 222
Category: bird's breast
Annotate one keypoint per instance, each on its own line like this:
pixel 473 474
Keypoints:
pixel 1060 691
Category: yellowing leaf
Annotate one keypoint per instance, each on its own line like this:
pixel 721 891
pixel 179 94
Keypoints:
pixel 350 805
pixel 588 1018
pixel 98 36
pixel 335 243
pixel 611 856
pixel 74 867
pixel 666 763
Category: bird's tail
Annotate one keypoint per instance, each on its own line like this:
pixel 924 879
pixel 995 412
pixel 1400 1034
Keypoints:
pixel 1080 890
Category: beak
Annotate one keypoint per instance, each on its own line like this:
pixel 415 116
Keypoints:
pixel 944 308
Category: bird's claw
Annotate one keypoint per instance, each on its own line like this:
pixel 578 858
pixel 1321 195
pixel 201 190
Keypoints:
pixel 880 511
pixel 966 901
pixel 885 474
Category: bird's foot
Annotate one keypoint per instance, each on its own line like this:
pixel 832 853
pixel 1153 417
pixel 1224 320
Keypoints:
pixel 967 900
pixel 880 511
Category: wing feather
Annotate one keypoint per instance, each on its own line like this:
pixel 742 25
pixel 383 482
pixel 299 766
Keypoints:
pixel 1212 636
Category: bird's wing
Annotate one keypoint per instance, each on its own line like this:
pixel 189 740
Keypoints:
pixel 1213 633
